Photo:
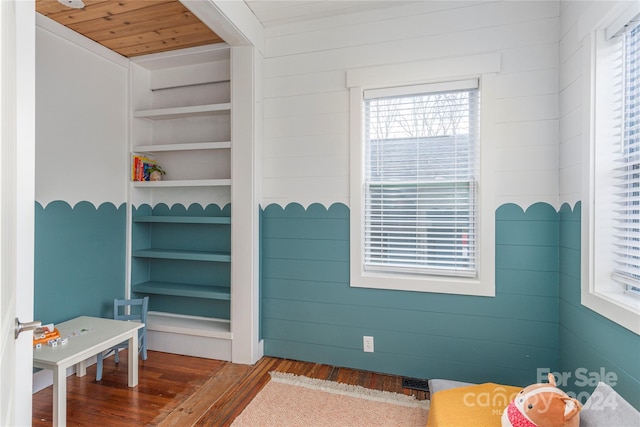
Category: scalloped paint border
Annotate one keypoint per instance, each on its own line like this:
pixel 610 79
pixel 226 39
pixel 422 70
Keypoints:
pixel 294 208
pixel 291 210
pixel 194 209
pixel 80 206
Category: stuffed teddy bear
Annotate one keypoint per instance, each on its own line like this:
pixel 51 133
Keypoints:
pixel 542 405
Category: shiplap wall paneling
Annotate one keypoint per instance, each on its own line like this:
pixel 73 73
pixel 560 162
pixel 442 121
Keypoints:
pixel 589 341
pixel 306 110
pixel 81 126
pixel 311 313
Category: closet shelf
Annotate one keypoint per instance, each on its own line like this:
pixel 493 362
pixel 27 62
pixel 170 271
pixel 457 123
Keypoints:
pixel 184 219
pixel 183 255
pixel 183 183
pixel 180 112
pixel 182 147
pixel 183 290
pixel 189 325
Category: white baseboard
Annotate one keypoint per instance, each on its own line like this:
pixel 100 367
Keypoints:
pixel 189 345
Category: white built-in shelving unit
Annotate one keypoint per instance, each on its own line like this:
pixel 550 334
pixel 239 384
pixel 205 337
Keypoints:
pixel 181 116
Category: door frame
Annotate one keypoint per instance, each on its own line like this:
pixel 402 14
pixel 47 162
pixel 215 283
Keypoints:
pixel 18 198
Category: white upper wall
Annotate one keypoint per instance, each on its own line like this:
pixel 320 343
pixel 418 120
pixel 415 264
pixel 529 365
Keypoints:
pixel 579 18
pixel 81 100
pixel 306 102
pixel 81 119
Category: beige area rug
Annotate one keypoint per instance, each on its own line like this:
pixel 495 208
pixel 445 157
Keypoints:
pixel 290 400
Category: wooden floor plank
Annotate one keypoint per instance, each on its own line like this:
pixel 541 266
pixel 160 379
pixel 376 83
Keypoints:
pixel 181 391
pixel 189 411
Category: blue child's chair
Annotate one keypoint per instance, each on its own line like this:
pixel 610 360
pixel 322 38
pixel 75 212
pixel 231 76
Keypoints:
pixel 133 310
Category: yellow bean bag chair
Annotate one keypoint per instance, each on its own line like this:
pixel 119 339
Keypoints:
pixel 479 405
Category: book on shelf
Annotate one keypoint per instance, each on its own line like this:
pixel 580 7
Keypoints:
pixel 140 167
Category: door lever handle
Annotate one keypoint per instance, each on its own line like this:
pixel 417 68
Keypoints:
pixel 26 326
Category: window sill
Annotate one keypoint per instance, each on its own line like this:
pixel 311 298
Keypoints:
pixel 434 284
pixel 618 307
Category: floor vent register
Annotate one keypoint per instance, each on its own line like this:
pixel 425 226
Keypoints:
pixel 415 384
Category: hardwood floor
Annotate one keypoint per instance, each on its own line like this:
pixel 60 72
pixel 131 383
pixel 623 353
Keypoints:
pixel 185 391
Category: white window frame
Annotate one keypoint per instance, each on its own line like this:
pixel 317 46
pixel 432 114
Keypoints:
pixel 598 291
pixel 482 67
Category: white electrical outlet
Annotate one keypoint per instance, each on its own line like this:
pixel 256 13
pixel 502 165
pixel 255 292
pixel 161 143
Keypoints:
pixel 367 344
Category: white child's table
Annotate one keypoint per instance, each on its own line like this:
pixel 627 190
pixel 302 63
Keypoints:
pixel 88 336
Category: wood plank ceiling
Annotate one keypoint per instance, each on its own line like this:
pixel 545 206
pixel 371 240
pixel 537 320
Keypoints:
pixel 133 27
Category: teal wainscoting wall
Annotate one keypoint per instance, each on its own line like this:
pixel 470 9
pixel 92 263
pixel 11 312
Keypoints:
pixel 309 311
pixel 589 343
pixel 79 259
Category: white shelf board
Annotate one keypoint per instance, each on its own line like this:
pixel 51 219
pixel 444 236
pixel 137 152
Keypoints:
pixel 189 325
pixel 183 147
pixel 183 183
pixel 178 112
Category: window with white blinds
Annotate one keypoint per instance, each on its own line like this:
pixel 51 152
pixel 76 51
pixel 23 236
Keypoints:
pixel 610 271
pixel 626 252
pixel 421 179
